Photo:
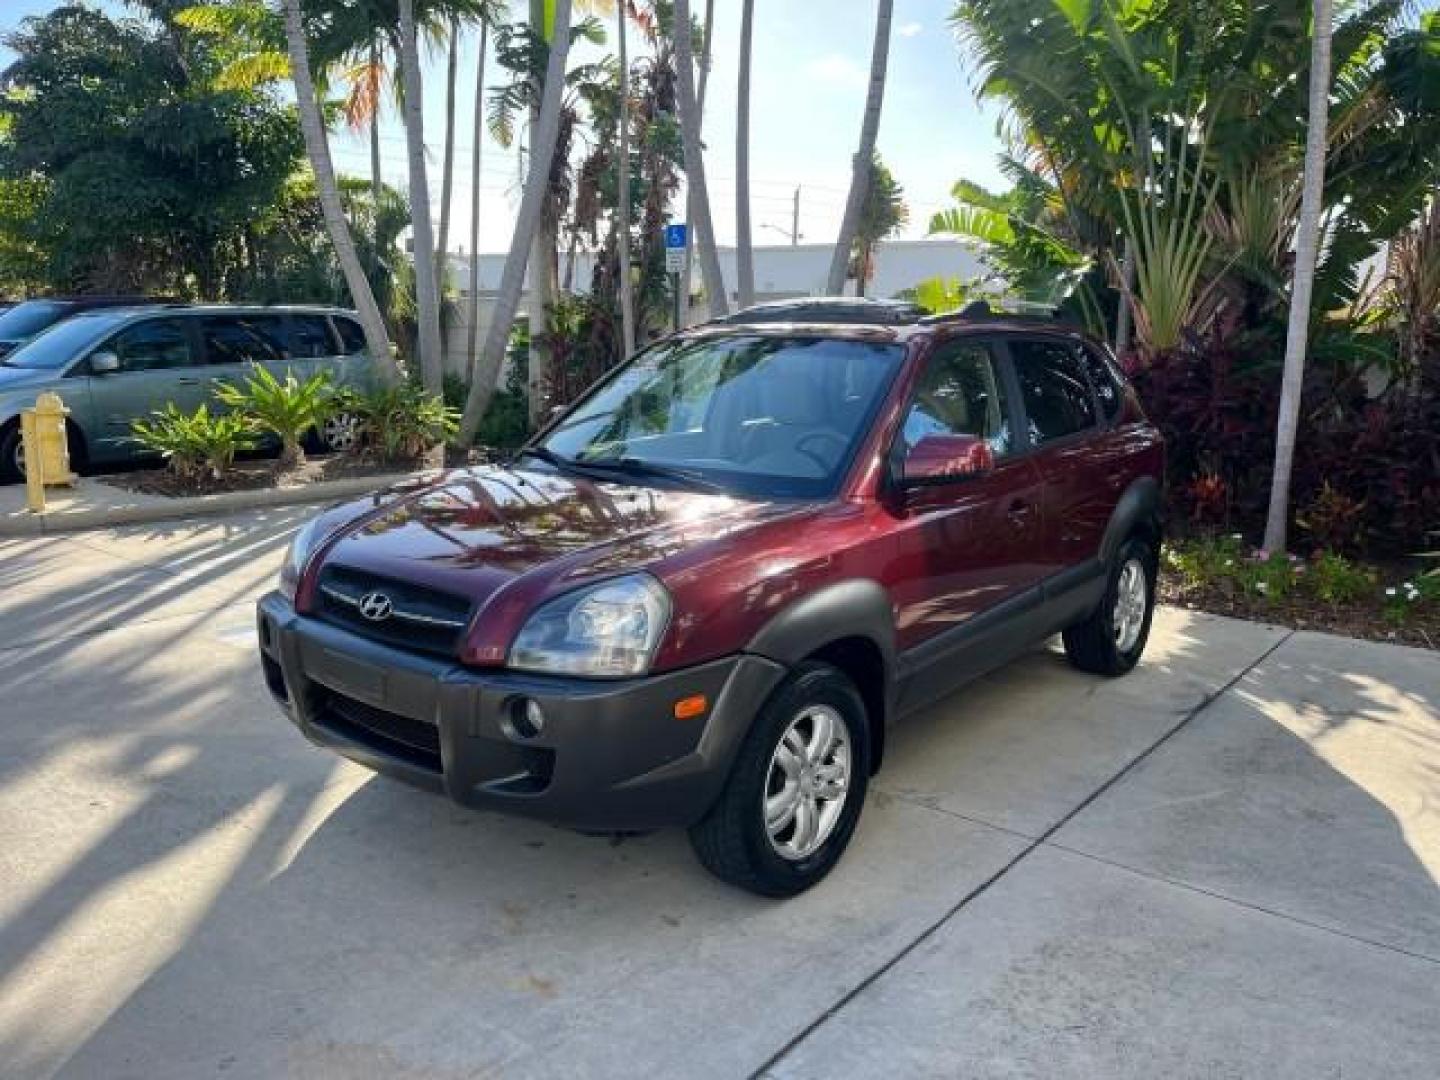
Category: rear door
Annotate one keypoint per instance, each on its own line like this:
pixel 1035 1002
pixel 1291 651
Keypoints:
pixel 157 365
pixel 1062 426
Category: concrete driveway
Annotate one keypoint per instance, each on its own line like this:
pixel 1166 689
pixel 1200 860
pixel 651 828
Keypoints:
pixel 1223 865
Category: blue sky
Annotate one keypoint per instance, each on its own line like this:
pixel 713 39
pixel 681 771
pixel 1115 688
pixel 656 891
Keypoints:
pixel 811 59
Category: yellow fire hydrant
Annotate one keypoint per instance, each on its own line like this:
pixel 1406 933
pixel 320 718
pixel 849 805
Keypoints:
pixel 47 450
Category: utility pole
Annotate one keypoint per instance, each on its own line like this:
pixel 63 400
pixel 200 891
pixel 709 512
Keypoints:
pixel 795 219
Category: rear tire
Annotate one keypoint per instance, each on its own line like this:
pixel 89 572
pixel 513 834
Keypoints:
pixel 795 790
pixel 1112 639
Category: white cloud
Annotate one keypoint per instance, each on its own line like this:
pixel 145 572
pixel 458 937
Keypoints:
pixel 910 29
pixel 837 69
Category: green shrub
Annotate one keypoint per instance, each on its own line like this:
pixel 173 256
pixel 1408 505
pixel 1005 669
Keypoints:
pixel 194 443
pixel 288 410
pixel 1336 580
pixel 1413 596
pixel 401 422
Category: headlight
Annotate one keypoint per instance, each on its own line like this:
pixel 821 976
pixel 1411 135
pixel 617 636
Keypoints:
pixel 295 558
pixel 605 631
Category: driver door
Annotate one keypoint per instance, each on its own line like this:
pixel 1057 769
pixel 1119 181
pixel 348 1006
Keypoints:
pixel 156 366
pixel 969 548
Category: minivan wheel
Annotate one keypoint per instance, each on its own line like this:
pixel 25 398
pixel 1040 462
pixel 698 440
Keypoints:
pixel 339 433
pixel 12 455
pixel 796 789
pixel 1112 639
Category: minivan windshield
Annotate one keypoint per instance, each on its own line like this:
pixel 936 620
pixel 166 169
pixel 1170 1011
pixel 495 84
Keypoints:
pixel 762 416
pixel 29 317
pixel 60 344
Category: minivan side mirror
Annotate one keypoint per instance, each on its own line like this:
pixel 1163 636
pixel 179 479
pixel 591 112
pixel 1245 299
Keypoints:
pixel 940 459
pixel 104 362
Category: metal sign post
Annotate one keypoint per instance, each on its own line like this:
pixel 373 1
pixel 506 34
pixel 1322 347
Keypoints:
pixel 675 243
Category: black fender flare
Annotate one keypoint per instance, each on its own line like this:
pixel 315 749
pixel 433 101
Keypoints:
pixel 857 608
pixel 1140 505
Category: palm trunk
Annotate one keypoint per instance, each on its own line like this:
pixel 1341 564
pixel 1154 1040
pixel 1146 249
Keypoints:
pixel 1127 288
pixel 317 146
pixel 447 178
pixel 622 210
pixel 377 181
pixel 860 174
pixel 1307 243
pixel 478 135
pixel 695 165
pixel 707 39
pixel 427 295
pixel 527 221
pixel 744 258
pixel 542 297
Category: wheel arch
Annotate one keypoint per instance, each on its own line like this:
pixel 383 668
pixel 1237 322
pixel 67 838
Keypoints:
pixel 849 625
pixel 1137 512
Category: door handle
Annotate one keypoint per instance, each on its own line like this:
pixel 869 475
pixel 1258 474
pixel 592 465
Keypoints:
pixel 187 382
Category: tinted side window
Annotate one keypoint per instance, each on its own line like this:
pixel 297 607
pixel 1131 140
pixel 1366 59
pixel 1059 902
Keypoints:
pixel 1054 389
pixel 351 336
pixel 310 337
pixel 959 394
pixel 1105 379
pixel 152 346
pixel 242 339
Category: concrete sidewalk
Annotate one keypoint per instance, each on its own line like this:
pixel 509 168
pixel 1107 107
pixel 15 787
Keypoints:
pixel 1223 864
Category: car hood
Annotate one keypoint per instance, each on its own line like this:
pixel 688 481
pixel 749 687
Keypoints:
pixel 474 531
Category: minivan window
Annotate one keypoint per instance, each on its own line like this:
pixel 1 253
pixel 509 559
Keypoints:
pixel 64 341
pixel 310 337
pixel 28 318
pixel 242 339
pixel 959 394
pixel 1053 388
pixel 352 338
pixel 153 345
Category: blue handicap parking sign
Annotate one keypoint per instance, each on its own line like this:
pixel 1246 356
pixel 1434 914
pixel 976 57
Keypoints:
pixel 675 235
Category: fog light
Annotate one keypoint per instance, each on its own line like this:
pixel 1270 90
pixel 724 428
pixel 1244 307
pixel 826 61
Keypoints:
pixel 523 719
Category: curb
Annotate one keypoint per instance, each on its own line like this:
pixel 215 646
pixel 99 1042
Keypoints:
pixel 26 524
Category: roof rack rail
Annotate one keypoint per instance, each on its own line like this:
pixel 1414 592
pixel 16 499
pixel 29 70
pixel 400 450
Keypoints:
pixel 850 310
pixel 981 310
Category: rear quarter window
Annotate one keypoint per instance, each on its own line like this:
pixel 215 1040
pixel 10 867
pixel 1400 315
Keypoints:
pixel 1109 386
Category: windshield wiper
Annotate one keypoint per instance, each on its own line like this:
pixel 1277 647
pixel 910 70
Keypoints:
pixel 636 467
pixel 543 454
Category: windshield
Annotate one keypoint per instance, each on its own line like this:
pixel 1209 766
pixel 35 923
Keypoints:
pixel 764 416
pixel 27 319
pixel 60 344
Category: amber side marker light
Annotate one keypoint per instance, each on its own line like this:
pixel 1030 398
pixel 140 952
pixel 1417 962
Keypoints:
pixel 688 708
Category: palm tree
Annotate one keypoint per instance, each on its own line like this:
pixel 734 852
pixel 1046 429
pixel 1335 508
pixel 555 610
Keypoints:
pixel 707 42
pixel 744 259
pixel 883 215
pixel 478 137
pixel 695 164
pixel 869 128
pixel 447 168
pixel 317 146
pixel 1307 243
pixel 527 220
pixel 427 292
pixel 622 209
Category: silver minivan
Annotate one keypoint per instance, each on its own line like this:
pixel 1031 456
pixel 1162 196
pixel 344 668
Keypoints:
pixel 115 366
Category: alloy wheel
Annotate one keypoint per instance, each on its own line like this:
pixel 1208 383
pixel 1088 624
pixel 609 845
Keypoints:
pixel 808 780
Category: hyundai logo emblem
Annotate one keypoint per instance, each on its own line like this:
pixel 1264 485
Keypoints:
pixel 376 606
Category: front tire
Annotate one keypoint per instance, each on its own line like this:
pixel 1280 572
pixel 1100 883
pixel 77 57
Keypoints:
pixel 1112 639
pixel 795 790
pixel 12 455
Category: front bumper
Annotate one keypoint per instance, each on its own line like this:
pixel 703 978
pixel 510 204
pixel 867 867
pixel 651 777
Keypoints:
pixel 610 757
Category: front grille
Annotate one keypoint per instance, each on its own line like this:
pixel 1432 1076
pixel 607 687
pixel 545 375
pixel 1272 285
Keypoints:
pixel 419 618
pixel 390 733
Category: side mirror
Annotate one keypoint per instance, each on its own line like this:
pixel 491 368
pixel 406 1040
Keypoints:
pixel 104 362
pixel 939 459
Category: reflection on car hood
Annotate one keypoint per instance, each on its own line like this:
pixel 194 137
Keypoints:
pixel 475 530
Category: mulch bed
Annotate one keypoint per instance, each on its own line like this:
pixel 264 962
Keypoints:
pixel 254 476
pixel 1360 620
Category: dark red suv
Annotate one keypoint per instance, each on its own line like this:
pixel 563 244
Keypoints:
pixel 704 592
